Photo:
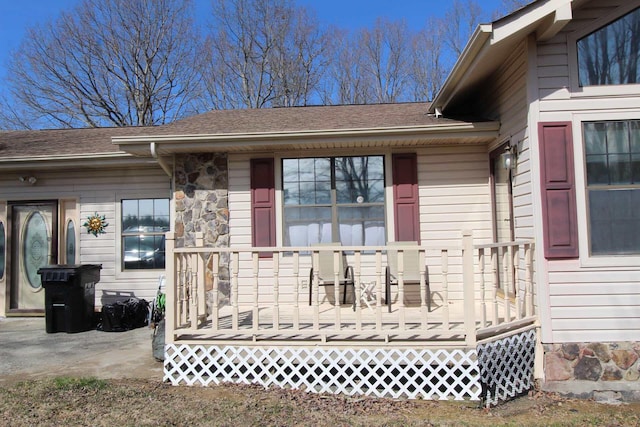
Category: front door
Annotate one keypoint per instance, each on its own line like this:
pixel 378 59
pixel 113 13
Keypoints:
pixel 33 244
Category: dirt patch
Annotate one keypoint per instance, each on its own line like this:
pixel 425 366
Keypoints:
pixel 98 402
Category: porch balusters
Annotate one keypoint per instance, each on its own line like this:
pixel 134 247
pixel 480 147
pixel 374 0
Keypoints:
pixel 423 285
pixel 337 278
pixel 235 267
pixel 495 282
pixel 276 290
pixel 200 295
pixel 483 302
pixel 255 262
pixel 379 279
pixel 188 304
pixel 445 289
pixel 400 264
pixel 507 282
pixel 357 290
pixel 215 289
pixel 296 290
pixel 518 300
pixel 315 281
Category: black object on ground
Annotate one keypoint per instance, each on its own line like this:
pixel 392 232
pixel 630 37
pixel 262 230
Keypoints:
pixel 124 315
pixel 69 296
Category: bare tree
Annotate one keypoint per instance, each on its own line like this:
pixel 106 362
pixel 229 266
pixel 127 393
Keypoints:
pixel 346 81
pixel 108 62
pixel 263 53
pixel 370 65
pixel 428 69
pixel 461 20
pixel 508 6
pixel 387 56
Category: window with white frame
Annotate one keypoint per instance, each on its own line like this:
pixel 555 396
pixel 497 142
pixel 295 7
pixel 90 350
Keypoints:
pixel 334 199
pixel 144 224
pixel 611 54
pixel 612 154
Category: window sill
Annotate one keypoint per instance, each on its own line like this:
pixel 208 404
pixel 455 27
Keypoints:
pixel 605 261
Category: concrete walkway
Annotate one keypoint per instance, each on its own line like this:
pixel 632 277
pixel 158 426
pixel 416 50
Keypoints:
pixel 28 351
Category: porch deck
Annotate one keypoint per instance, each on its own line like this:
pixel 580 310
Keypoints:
pixel 475 292
pixel 362 327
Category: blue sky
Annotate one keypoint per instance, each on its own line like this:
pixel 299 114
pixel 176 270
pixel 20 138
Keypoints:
pixel 17 15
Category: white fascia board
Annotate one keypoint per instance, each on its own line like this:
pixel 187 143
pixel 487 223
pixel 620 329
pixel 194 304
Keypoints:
pixel 561 17
pixel 476 44
pixel 97 160
pixel 172 143
pixel 530 18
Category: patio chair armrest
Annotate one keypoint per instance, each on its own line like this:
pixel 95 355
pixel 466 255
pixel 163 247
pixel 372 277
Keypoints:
pixel 310 285
pixel 348 273
pixel 428 286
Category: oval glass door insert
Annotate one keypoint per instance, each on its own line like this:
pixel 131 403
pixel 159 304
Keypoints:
pixel 35 248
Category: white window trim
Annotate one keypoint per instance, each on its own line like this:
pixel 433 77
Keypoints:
pixel 586 259
pixel 572 49
pixel 388 205
pixel 120 272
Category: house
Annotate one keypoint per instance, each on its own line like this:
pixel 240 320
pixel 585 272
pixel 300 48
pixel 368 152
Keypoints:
pixel 514 189
pixel 52 182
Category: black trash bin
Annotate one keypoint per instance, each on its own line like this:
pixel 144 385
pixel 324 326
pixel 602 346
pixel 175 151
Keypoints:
pixel 69 296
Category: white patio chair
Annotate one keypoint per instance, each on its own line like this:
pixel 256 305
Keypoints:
pixel 411 270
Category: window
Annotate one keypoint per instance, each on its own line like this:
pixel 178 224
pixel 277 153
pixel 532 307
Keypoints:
pixel 612 154
pixel 611 55
pixel 330 199
pixel 144 223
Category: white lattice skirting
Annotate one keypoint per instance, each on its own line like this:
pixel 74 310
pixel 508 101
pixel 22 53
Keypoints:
pixel 395 373
pixel 506 367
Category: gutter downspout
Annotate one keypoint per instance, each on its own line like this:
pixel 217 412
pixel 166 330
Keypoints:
pixel 165 167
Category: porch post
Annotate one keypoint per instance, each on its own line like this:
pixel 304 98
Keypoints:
pixel 468 288
pixel 169 288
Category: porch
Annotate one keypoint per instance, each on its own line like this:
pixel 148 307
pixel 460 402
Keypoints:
pixel 476 291
pixel 245 315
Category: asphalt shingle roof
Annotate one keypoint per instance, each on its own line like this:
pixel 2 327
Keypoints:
pixel 61 142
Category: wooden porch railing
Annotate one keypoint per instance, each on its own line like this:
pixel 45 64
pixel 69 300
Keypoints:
pixel 223 295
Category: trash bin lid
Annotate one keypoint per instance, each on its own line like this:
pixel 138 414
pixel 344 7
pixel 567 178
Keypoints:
pixel 63 272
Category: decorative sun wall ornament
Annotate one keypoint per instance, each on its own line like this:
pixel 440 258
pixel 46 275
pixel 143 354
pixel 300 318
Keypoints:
pixel 96 224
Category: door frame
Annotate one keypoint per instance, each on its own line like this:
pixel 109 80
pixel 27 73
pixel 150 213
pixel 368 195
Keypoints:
pixel 493 156
pixel 10 240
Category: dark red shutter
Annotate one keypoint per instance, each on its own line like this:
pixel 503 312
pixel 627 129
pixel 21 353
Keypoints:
pixel 405 197
pixel 559 215
pixel 263 207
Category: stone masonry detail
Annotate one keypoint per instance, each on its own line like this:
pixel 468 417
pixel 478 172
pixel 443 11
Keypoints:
pixel 202 205
pixel 592 361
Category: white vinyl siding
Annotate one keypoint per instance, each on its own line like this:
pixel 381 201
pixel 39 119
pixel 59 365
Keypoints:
pixel 587 302
pixel 454 196
pixel 98 190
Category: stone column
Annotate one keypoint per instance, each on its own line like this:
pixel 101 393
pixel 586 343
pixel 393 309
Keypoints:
pixel 202 205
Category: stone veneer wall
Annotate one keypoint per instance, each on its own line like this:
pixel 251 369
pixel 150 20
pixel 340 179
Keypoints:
pixel 202 205
pixel 615 364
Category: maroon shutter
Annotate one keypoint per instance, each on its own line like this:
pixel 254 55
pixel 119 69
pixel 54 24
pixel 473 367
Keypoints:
pixel 263 207
pixel 559 215
pixel 405 197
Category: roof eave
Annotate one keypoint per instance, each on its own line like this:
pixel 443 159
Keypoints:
pixel 544 17
pixel 84 161
pixel 169 144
